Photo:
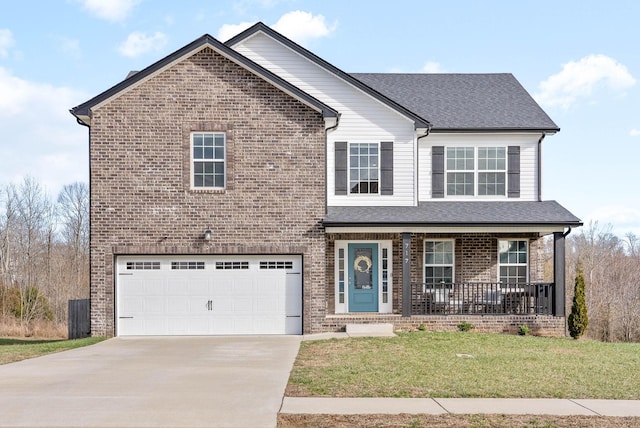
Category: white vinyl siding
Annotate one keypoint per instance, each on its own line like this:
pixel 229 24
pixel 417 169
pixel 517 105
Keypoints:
pixel 528 160
pixel 363 119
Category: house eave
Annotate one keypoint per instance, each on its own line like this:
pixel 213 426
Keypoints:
pixel 83 111
pixel 419 122
pixel 510 130
pixel 539 229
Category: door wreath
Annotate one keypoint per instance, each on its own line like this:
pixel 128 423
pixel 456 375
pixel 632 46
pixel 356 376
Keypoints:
pixel 362 264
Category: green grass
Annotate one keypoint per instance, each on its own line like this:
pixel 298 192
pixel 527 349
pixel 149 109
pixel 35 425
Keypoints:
pixel 12 349
pixel 425 364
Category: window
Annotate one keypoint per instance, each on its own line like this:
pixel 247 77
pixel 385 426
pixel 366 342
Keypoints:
pixel 276 265
pixel 208 160
pixel 492 167
pixel 438 262
pixel 512 261
pixel 463 172
pixel 187 265
pixel 143 265
pixel 232 265
pixel 363 168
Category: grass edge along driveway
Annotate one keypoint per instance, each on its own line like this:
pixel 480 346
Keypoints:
pixel 466 364
pixel 17 349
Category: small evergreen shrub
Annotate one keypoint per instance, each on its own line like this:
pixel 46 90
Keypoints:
pixel 465 326
pixel 524 330
pixel 578 320
pixel 422 327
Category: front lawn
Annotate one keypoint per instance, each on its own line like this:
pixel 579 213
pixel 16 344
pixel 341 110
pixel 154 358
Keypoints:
pixel 12 349
pixel 456 364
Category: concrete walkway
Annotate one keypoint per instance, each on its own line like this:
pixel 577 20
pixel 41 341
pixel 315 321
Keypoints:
pixel 437 406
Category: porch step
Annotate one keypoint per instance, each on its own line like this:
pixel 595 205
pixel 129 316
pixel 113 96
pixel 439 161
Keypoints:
pixel 363 330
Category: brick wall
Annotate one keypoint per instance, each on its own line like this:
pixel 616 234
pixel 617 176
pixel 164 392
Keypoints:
pixel 539 325
pixel 141 202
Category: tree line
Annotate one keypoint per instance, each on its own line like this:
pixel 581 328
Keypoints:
pixel 44 262
pixel 44 251
pixel 611 267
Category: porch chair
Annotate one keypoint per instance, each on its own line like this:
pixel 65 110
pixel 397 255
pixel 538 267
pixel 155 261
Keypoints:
pixel 491 302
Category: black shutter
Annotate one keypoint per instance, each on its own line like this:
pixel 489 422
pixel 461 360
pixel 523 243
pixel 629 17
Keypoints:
pixel 341 168
pixel 437 172
pixel 513 174
pixel 386 168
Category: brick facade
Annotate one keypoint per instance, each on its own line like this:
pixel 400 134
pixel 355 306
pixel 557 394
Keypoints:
pixel 141 202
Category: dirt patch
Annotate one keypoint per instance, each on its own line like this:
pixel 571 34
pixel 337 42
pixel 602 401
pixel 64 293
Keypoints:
pixel 448 421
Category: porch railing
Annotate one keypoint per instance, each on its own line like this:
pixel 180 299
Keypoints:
pixel 482 298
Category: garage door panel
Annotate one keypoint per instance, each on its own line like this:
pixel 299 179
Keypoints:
pixel 200 295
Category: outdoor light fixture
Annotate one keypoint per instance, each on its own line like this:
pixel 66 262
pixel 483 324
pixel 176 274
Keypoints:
pixel 207 234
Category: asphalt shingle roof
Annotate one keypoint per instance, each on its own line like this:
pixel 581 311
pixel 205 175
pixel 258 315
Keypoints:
pixel 458 213
pixel 463 101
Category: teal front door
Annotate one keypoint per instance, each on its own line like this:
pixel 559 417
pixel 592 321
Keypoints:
pixel 363 277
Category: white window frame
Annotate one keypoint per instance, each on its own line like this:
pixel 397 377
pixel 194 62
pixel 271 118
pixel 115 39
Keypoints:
pixel 476 171
pixel 500 265
pixel 349 167
pixel 383 308
pixel 453 260
pixel 214 160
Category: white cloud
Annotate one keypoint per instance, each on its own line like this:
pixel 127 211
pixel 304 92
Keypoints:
pixel 227 31
pixel 432 67
pixel 111 10
pixel 139 43
pixel 6 41
pixel 303 26
pixel 299 26
pixel 635 132
pixel 624 219
pixel 41 139
pixel 579 79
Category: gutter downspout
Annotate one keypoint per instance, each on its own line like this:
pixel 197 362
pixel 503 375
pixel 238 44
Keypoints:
pixel 326 154
pixel 565 234
pixel 544 134
pixel 416 176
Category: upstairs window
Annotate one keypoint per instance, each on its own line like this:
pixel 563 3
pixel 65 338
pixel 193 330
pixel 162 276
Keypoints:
pixel 208 157
pixel 480 171
pixel 364 168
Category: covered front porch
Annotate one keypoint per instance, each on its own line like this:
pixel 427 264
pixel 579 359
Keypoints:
pixel 438 273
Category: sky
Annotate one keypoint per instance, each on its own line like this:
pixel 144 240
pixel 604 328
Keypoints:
pixel 579 59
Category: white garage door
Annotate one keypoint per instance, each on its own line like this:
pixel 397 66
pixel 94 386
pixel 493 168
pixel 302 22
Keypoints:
pixel 209 295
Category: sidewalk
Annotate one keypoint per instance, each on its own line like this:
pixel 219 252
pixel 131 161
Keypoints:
pixel 438 406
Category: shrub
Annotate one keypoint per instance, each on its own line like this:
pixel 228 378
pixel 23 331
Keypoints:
pixel 578 319
pixel 422 327
pixel 524 330
pixel 465 326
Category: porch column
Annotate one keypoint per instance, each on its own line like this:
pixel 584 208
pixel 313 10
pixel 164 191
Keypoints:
pixel 558 302
pixel 406 274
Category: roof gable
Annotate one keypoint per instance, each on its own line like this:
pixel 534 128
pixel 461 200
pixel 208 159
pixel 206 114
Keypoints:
pixel 419 120
pixel 464 102
pixel 83 111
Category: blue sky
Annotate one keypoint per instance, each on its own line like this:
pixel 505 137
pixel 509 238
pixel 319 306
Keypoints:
pixel 579 59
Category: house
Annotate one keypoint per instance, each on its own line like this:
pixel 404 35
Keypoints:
pixel 250 187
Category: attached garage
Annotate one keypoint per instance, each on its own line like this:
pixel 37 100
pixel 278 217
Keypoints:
pixel 208 295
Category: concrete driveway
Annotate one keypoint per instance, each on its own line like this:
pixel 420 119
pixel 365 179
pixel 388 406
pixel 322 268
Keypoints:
pixel 152 382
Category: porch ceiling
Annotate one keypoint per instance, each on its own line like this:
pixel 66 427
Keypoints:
pixel 542 216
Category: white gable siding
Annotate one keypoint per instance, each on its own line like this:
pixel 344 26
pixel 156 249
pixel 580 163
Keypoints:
pixel 363 119
pixel 528 159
